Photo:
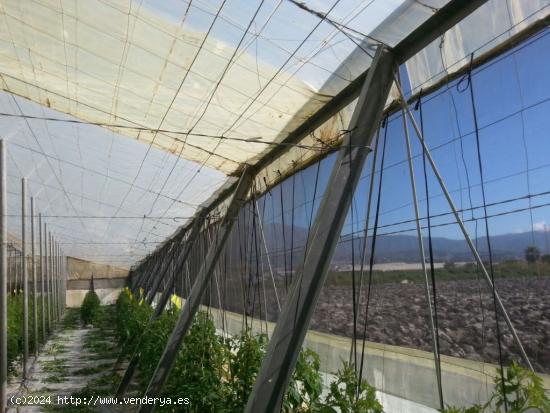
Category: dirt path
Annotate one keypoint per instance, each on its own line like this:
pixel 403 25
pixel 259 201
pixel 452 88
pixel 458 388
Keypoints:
pixel 76 361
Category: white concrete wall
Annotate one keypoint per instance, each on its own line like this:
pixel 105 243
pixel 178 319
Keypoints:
pixel 404 377
pixel 107 296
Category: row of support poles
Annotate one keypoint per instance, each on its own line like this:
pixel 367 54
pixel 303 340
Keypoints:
pixel 293 323
pixel 165 296
pixel 192 303
pixel 44 300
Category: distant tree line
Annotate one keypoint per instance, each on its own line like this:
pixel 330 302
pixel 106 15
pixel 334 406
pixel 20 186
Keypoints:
pixel 533 254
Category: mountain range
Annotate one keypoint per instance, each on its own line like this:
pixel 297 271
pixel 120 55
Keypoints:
pixel 404 247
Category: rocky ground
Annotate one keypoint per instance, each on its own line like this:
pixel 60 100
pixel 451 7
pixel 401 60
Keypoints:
pixel 467 329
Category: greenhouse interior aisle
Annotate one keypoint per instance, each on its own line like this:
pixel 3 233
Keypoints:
pixel 76 367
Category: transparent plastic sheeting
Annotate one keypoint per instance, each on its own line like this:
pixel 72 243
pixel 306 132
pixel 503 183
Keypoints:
pixel 236 69
pixel 214 82
pixel 492 24
pixel 94 187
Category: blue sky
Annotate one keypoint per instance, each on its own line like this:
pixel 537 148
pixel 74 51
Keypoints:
pixel 512 99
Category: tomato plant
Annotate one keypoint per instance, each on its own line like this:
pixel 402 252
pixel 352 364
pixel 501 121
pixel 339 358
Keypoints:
pixel 89 310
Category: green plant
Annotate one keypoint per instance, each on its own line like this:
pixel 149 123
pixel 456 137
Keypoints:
pixel 15 328
pixel 518 391
pixel 218 374
pixel 132 315
pixel 200 368
pixel 245 357
pixel 306 385
pixel 89 311
pixel 532 254
pixel 152 344
pixel 523 392
pixel 348 394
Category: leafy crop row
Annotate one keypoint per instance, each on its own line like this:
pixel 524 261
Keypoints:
pixel 15 327
pixel 89 310
pixel 217 373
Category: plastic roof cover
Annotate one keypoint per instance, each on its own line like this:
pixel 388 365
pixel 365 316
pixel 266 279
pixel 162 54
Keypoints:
pixel 93 187
pixel 214 82
pixel 237 69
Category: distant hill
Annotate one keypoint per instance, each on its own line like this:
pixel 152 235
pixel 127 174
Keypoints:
pixel 404 248
pixel 400 248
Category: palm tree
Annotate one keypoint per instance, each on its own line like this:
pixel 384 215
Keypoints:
pixel 532 254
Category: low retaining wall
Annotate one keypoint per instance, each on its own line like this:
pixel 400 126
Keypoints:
pixel 404 376
pixel 107 289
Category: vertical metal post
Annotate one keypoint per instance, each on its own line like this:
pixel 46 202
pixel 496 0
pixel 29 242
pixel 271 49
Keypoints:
pixel 191 306
pixel 47 274
pixel 25 276
pixel 64 272
pixel 34 283
pixel 42 272
pixel 421 251
pixel 50 272
pixel 288 336
pixel 59 281
pixel 3 281
pixel 463 229
pixel 55 278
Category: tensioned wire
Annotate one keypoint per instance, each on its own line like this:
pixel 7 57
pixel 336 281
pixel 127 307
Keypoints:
pixel 489 41
pixel 322 18
pixel 457 139
pixel 208 102
pixel 439 225
pixel 488 236
pixel 168 109
pixel 436 344
pixel 258 94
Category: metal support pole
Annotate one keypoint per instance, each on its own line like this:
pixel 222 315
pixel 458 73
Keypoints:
pixel 422 253
pixel 191 306
pixel 25 276
pixel 34 283
pixel 185 251
pixel 60 280
pixel 145 273
pixel 50 272
pixel 56 278
pixel 42 272
pixel 158 277
pixel 3 281
pixel 64 266
pixel 286 341
pixel 60 272
pixel 47 274
pixel 463 229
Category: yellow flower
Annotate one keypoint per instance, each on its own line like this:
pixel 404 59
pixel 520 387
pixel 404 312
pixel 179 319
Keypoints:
pixel 176 301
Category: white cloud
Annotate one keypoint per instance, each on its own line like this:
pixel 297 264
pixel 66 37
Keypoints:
pixel 539 226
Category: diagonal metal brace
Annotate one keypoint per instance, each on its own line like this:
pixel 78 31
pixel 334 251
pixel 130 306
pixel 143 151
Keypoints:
pixel 192 304
pixel 288 336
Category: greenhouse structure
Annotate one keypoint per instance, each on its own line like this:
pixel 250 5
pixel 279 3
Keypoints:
pixel 327 206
